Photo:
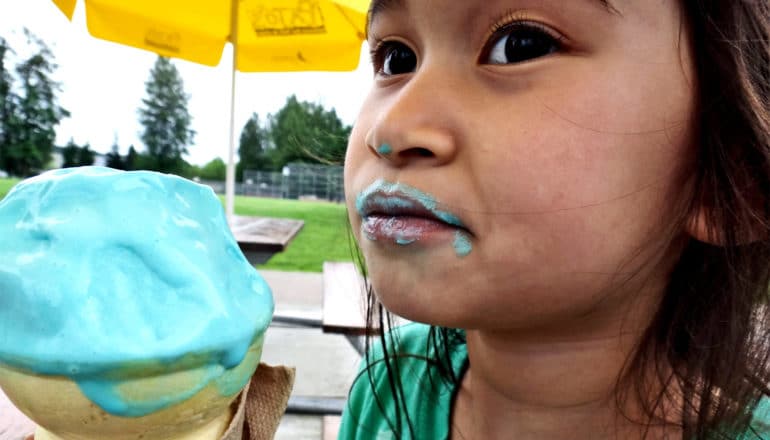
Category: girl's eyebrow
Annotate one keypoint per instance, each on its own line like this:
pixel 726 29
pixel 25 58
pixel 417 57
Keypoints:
pixel 378 6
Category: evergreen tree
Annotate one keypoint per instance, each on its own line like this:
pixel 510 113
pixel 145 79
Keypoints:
pixel 113 158
pixel 6 100
pixel 86 156
pixel 74 155
pixel 251 149
pixel 132 159
pixel 30 135
pixel 70 154
pixel 165 118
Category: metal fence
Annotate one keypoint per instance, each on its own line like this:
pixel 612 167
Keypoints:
pixel 296 181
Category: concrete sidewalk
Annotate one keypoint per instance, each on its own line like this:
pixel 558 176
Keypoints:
pixel 326 364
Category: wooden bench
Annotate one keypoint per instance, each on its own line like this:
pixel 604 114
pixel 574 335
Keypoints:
pixel 262 237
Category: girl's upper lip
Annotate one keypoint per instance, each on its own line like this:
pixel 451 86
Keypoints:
pixel 398 199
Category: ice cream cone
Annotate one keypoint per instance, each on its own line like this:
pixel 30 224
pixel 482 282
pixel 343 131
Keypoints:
pixel 63 412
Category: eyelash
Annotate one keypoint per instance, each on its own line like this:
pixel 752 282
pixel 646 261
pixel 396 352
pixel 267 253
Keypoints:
pixel 379 52
pixel 511 20
pixel 519 20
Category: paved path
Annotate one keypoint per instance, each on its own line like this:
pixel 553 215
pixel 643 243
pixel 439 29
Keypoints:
pixel 326 363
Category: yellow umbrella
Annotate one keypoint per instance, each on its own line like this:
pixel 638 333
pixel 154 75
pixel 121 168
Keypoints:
pixel 267 36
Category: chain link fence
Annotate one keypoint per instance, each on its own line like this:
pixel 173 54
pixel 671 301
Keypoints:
pixel 296 181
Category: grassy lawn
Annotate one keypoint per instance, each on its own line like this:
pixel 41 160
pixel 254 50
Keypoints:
pixel 323 238
pixel 5 186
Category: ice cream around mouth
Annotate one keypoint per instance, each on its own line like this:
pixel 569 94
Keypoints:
pixel 107 273
pixel 404 215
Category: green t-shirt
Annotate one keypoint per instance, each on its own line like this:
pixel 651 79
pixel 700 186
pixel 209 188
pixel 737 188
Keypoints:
pixel 428 398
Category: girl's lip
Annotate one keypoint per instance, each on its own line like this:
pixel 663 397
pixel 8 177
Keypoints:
pixel 404 230
pixel 401 214
pixel 400 201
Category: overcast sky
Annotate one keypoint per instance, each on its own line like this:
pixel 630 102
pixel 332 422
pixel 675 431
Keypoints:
pixel 103 84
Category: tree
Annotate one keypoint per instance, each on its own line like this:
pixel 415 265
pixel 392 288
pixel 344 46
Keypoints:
pixel 307 132
pixel 76 156
pixel 86 156
pixel 165 118
pixel 6 100
pixel 30 128
pixel 214 170
pixel 113 158
pixel 251 149
pixel 70 154
pixel 132 159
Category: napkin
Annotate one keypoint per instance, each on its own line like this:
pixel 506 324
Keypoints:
pixel 261 404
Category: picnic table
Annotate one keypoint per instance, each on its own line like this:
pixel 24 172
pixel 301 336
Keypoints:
pixel 262 237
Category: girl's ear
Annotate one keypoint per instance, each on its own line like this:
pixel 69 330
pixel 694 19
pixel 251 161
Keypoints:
pixel 698 227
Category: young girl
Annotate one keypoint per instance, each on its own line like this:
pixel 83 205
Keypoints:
pixel 575 195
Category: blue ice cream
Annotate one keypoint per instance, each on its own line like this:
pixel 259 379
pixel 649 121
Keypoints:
pixel 104 271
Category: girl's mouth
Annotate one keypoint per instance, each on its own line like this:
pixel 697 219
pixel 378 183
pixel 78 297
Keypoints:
pixel 403 215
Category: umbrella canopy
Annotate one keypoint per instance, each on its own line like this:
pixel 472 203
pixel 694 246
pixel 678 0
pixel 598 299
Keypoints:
pixel 267 35
pixel 273 35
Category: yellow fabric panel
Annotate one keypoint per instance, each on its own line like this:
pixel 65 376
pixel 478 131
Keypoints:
pixel 187 29
pixel 66 6
pixel 359 6
pixel 274 35
pixel 291 35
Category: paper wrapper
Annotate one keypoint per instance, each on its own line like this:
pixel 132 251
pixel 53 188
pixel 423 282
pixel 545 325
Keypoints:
pixel 261 404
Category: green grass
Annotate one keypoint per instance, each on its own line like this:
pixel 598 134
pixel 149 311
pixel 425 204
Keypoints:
pixel 5 186
pixel 323 238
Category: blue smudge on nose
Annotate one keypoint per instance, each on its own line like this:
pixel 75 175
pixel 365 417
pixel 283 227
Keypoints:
pixel 384 149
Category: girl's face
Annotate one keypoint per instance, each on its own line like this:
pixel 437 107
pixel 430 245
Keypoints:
pixel 517 160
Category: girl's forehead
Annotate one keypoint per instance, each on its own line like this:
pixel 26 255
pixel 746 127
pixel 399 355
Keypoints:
pixel 378 6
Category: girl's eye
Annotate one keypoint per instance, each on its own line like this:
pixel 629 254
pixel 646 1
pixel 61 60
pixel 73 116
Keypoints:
pixel 394 58
pixel 519 42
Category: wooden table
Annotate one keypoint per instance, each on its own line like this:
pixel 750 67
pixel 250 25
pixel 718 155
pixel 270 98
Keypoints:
pixel 344 305
pixel 262 237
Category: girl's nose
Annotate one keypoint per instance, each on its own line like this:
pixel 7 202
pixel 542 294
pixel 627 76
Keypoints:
pixel 416 125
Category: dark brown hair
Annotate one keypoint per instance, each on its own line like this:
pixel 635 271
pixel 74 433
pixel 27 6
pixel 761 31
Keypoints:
pixel 710 337
pixel 712 328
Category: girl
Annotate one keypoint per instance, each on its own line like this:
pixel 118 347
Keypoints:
pixel 575 195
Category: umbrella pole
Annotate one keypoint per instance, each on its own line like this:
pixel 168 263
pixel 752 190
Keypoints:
pixel 230 175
